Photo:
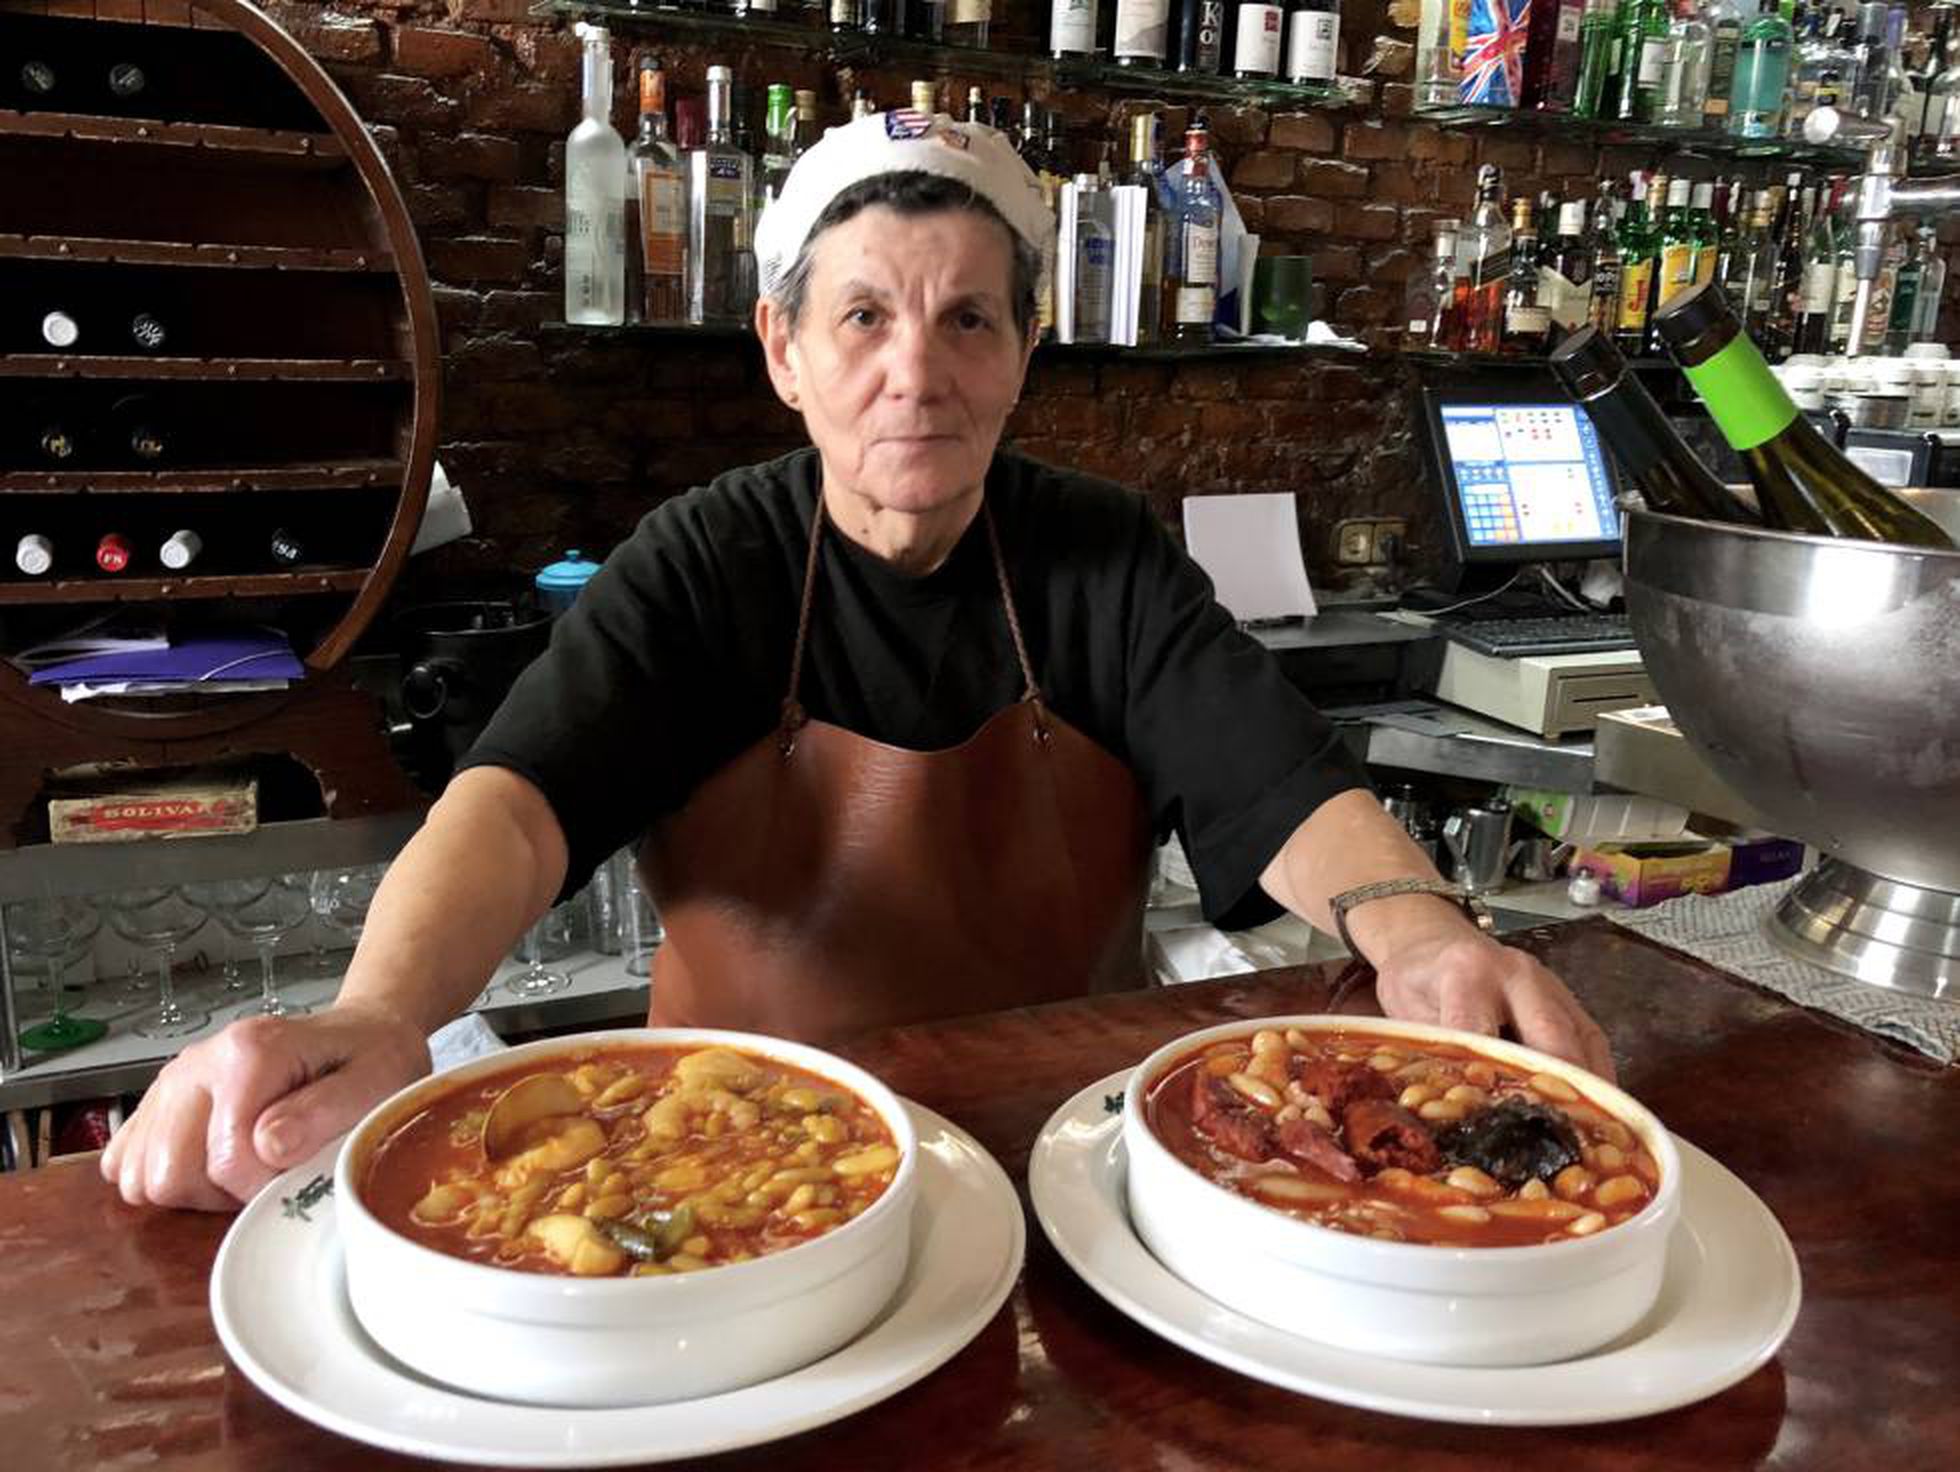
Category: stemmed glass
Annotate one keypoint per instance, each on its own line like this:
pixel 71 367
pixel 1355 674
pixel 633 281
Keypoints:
pixel 341 897
pixel 160 918
pixel 55 931
pixel 536 979
pixel 265 912
pixel 215 896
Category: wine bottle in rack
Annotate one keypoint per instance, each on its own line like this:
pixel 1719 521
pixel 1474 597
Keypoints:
pixel 180 549
pixel 287 547
pixel 34 555
pixel 1256 41
pixel 51 436
pixel 112 552
pixel 138 430
pixel 60 330
pixel 147 332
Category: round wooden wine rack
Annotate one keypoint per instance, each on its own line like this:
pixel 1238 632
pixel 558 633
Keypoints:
pixel 214 317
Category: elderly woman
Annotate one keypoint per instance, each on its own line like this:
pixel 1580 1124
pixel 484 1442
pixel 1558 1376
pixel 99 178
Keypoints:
pixel 895 716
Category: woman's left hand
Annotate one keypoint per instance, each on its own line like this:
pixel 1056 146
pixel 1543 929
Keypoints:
pixel 1460 977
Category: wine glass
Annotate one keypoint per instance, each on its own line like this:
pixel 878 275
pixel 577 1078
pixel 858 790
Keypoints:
pixel 536 979
pixel 265 912
pixel 341 897
pixel 214 897
pixel 160 918
pixel 55 931
pixel 1282 292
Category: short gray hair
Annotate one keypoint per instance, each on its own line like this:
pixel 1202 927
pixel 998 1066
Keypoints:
pixel 912 192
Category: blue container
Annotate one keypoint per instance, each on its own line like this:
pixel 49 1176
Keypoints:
pixel 558 585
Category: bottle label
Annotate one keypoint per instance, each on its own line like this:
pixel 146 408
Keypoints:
pixel 1142 29
pixel 1567 300
pixel 1743 397
pixel 1073 27
pixel 1259 38
pixel 972 12
pixel 1523 321
pixel 1819 287
pixel 1636 290
pixel 1197 304
pixel 1201 256
pixel 1678 269
pixel 1653 60
pixel 663 221
pixel 1568 22
pixel 1310 43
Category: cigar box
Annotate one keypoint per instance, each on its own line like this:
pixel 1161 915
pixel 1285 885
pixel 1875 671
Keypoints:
pixel 105 809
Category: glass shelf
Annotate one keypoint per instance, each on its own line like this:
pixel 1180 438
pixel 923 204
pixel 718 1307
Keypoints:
pixel 1445 358
pixel 863 49
pixel 1152 353
pixel 1602 131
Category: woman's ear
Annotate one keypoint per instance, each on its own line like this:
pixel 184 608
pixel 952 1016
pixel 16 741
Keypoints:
pixel 772 326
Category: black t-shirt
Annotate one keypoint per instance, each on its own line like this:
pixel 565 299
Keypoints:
pixel 676 658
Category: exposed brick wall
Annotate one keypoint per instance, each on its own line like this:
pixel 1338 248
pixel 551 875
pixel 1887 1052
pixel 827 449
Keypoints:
pixel 562 438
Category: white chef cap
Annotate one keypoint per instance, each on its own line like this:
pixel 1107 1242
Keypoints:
pixel 900 142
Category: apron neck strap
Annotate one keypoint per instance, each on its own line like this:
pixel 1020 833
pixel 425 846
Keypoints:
pixel 793 715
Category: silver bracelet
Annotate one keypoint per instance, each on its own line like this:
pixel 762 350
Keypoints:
pixel 1383 889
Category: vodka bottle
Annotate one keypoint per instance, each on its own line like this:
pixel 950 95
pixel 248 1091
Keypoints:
pixel 595 197
pixel 720 217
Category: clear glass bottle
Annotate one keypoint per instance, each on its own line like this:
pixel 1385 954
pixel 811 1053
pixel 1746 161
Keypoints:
pixel 1431 295
pixel 1812 55
pixel 1762 74
pixel 720 217
pixel 1436 78
pixel 1685 68
pixel 1923 117
pixel 1565 277
pixel 1192 280
pixel 1485 246
pixel 1932 286
pixel 1725 22
pixel 1146 175
pixel 1526 324
pixel 658 205
pixel 1941 139
pixel 1753 263
pixel 968 22
pixel 1819 295
pixel 1095 260
pixel 595 196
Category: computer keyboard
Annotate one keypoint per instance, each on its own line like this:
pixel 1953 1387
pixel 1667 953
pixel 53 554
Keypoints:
pixel 1562 633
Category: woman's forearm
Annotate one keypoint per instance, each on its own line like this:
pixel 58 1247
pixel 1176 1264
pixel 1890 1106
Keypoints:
pixel 486 864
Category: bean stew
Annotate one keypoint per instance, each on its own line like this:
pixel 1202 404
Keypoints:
pixel 632 1161
pixel 1401 1138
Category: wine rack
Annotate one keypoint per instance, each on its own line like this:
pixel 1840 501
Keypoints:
pixel 199 231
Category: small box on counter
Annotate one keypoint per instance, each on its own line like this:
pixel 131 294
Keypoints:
pixel 1642 874
pixel 107 807
pixel 1598 817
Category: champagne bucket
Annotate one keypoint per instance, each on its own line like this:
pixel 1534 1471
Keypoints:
pixel 1821 680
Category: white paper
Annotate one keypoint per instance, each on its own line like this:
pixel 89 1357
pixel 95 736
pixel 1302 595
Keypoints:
pixel 1131 204
pixel 1249 545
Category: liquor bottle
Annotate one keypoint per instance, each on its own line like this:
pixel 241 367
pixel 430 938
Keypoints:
pixel 34 555
pixel 1565 277
pixel 1752 264
pixel 1599 52
pixel 1431 295
pixel 1803 483
pixel 1685 68
pixel 1147 176
pixel 1436 63
pixel 1845 233
pixel 1847 60
pixel 1639 248
pixel 112 552
pixel 968 22
pixel 779 128
pixel 1811 57
pixel 1873 60
pixel 180 549
pixel 1776 335
pixel 1313 36
pixel 137 430
pixel 1925 119
pixel 1932 286
pixel 1527 322
pixel 1256 40
pixel 1725 22
pixel 1072 30
pixel 1941 139
pixel 927 21
pixel 875 18
pixel 976 105
pixel 1201 36
pixel 656 208
pixel 1191 283
pixel 846 15
pixel 287 547
pixel 1142 32
pixel 1643 54
pixel 1675 272
pixel 1906 288
pixel 925 97
pixel 1603 294
pixel 1486 249
pixel 1762 74
pixel 1669 476
pixel 1095 258
pixel 720 225
pixel 1819 296
pixel 1551 55
pixel 1886 86
pixel 595 196
pixel 1031 144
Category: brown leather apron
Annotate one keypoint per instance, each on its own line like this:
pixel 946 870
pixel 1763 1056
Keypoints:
pixel 822 884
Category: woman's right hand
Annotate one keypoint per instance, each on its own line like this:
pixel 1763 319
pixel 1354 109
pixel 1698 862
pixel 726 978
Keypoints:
pixel 232 1112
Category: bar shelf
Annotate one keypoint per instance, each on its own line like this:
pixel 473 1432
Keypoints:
pixel 1605 132
pixel 17 247
pixel 338 475
pixel 207 370
pixel 160 590
pixel 262 145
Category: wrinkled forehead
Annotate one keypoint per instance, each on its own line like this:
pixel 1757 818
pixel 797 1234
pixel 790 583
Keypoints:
pixel 955 250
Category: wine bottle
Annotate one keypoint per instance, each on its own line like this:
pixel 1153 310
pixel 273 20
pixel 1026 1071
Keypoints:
pixel 60 330
pixel 1313 34
pixel 137 430
pixel 1256 42
pixel 1200 36
pixel 1142 35
pixel 287 549
pixel 1669 476
pixel 180 550
pixel 34 555
pixel 112 552
pixel 1802 481
pixel 54 442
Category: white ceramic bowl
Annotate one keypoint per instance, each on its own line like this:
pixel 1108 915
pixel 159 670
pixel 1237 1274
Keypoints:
pixel 543 1339
pixel 1482 1306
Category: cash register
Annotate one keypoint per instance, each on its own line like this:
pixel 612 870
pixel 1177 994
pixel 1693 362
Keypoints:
pixel 1525 484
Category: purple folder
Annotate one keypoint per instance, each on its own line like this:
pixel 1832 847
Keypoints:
pixel 217 657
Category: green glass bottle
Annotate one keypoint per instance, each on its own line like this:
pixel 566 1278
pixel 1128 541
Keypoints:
pixel 1640 248
pixel 1599 44
pixel 1803 482
pixel 1643 59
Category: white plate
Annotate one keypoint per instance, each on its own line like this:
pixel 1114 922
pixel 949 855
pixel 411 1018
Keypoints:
pixel 1728 1301
pixel 279 1297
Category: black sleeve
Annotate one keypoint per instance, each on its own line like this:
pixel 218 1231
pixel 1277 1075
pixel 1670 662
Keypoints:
pixel 619 718
pixel 1228 750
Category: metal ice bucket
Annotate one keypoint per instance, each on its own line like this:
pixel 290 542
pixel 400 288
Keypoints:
pixel 1821 680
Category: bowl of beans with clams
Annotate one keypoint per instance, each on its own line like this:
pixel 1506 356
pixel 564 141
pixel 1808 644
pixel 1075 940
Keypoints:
pixel 1401 1190
pixel 627 1217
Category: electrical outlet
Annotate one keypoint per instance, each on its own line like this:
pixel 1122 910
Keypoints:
pixel 1388 529
pixel 1354 542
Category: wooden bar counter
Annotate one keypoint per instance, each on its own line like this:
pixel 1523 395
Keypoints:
pixel 108 1358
